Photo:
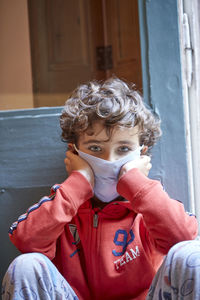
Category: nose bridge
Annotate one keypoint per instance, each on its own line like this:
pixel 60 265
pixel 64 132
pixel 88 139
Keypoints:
pixel 109 155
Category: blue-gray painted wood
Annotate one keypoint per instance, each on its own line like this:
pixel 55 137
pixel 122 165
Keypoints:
pixel 162 87
pixel 31 161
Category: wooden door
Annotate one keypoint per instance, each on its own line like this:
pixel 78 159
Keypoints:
pixel 122 33
pixel 73 42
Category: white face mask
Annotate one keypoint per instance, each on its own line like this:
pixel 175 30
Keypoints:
pixel 106 173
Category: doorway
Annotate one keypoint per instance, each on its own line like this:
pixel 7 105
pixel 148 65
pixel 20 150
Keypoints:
pixel 73 42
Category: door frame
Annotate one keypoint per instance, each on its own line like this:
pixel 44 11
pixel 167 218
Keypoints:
pixel 163 92
pixel 189 20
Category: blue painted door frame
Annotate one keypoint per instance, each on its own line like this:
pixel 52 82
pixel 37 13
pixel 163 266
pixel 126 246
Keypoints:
pixel 162 89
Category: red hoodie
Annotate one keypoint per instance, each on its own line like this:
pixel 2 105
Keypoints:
pixel 111 253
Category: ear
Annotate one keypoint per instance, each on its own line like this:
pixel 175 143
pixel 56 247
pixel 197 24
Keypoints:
pixel 144 150
pixel 72 147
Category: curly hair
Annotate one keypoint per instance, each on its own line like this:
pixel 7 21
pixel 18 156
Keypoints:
pixel 115 102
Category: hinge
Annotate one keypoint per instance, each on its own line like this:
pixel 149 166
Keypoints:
pixel 104 58
pixel 188 49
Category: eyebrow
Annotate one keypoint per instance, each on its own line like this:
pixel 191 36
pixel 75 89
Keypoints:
pixel 99 142
pixel 92 141
pixel 125 142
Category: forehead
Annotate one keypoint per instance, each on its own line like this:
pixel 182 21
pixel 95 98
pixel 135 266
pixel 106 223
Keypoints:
pixel 98 132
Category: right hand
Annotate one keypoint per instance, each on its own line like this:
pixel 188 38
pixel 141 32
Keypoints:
pixel 73 162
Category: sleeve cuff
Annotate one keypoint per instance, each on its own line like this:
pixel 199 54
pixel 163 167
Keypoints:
pixel 134 184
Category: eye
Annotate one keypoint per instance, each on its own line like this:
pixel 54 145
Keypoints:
pixel 123 149
pixel 94 148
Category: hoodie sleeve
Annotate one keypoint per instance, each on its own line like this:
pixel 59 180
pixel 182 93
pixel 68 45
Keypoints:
pixel 39 228
pixel 166 221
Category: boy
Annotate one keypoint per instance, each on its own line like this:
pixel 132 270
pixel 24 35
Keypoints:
pixel 107 227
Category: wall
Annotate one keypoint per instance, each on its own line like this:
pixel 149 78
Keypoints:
pixel 15 61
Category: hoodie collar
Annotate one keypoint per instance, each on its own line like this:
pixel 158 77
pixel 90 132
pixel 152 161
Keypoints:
pixel 114 209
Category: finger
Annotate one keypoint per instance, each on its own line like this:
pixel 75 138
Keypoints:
pixel 67 161
pixel 69 153
pixel 67 165
pixel 146 158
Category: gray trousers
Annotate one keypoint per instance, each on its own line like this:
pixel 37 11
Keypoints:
pixel 34 277
pixel 179 276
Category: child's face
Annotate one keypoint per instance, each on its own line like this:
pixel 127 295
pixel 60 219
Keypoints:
pixel 121 142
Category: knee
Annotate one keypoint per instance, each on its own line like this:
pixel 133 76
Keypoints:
pixel 28 260
pixel 187 252
pixel 26 264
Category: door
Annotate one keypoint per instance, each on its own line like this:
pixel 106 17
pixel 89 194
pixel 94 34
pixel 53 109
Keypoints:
pixel 73 42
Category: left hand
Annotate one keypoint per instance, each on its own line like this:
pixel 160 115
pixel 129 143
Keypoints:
pixel 143 163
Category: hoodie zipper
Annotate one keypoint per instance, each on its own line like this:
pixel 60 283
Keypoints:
pixel 95 220
pixel 93 258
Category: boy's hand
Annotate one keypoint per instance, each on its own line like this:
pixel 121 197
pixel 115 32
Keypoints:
pixel 73 162
pixel 143 164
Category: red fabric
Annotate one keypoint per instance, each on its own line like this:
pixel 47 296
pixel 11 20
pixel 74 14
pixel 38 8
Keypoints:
pixel 118 258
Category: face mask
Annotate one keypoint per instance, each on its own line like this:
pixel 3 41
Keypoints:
pixel 106 173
